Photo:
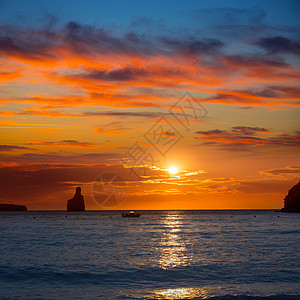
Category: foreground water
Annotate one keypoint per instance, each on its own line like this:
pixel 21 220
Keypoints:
pixel 161 255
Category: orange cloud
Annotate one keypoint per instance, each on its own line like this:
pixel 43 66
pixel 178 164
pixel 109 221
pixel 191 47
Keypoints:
pixel 9 76
pixel 132 71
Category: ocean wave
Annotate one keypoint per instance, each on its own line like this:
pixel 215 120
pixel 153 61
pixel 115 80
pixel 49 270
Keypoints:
pixel 151 276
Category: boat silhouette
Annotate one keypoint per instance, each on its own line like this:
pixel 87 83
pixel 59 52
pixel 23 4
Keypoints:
pixel 131 214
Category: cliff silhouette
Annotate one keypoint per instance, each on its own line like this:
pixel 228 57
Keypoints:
pixel 77 202
pixel 292 199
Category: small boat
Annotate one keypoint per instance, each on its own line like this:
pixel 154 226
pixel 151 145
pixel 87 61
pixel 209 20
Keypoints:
pixel 131 214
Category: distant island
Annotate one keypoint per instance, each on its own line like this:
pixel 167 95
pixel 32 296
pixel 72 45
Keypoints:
pixel 77 202
pixel 292 199
pixel 12 207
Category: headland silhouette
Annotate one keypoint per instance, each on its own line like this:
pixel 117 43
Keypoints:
pixel 292 199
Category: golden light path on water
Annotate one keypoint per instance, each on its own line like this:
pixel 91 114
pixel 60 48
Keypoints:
pixel 180 293
pixel 174 253
pixel 175 293
pixel 172 247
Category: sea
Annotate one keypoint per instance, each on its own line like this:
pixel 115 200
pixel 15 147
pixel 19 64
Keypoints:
pixel 212 254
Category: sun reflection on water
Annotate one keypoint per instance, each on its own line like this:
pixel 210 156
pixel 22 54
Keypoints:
pixel 172 247
pixel 180 293
pixel 175 293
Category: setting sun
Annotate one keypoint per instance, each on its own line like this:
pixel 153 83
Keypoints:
pixel 173 170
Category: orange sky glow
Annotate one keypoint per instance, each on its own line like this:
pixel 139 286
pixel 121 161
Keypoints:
pixel 112 112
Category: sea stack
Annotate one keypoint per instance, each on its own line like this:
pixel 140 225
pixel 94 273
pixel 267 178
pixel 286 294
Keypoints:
pixel 292 199
pixel 77 202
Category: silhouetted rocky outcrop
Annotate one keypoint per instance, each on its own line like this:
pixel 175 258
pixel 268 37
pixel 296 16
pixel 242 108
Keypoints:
pixel 77 202
pixel 12 207
pixel 292 199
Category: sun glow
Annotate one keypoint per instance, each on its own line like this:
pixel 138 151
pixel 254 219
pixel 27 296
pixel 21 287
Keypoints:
pixel 173 170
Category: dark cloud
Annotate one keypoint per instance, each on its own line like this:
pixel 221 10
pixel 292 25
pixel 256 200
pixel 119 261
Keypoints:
pixel 286 91
pixel 211 132
pixel 128 73
pixel 259 96
pixel 282 171
pixel 86 40
pixel 286 140
pixel 254 60
pixel 274 91
pixel 70 143
pixel 125 114
pixel 248 130
pixel 239 138
pixel 12 147
pixel 72 158
pixel 246 107
pixel 27 46
pixel 279 44
pixel 73 142
pixel 77 38
pixel 192 46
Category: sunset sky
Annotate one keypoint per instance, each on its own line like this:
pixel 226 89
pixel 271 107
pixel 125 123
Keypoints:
pixel 109 95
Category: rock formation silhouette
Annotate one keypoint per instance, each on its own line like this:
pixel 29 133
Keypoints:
pixel 77 202
pixel 12 207
pixel 292 199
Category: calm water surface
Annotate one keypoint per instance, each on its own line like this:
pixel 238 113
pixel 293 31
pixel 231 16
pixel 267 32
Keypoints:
pixel 161 255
